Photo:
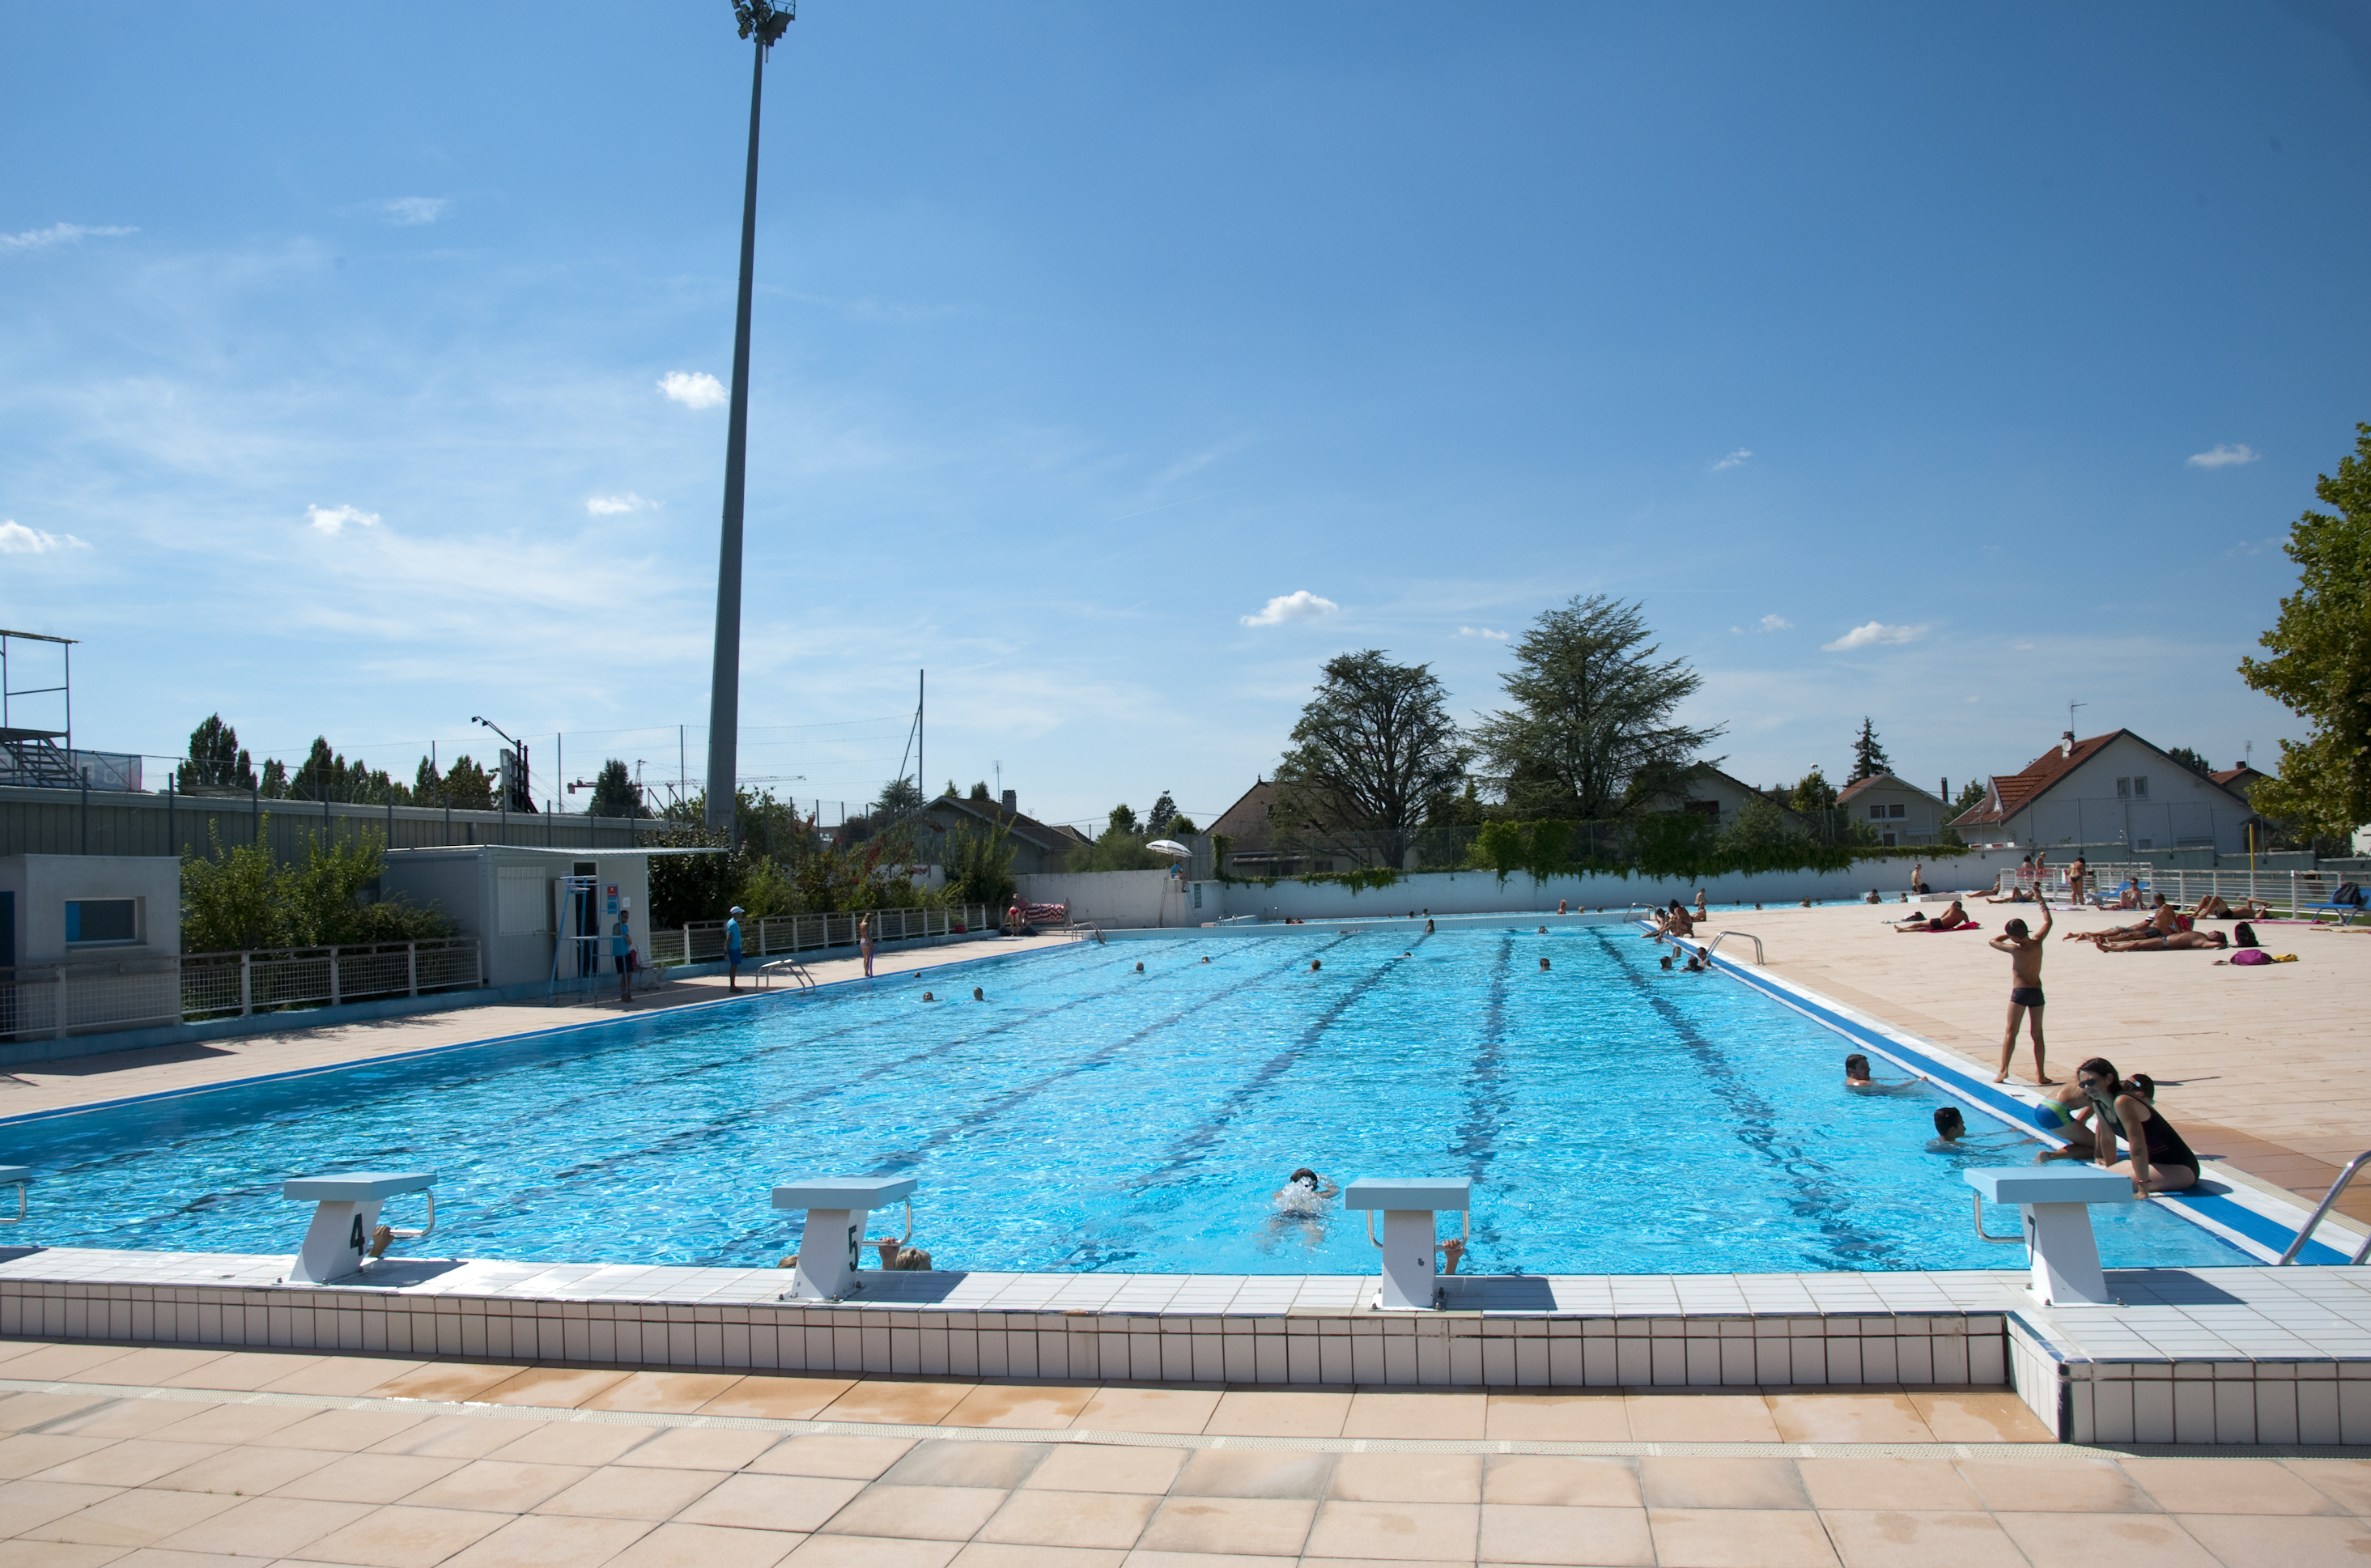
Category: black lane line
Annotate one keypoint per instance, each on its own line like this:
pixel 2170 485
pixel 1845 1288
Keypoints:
pixel 1486 1096
pixel 1811 1192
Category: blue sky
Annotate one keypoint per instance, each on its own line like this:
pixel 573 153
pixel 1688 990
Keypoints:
pixel 1084 332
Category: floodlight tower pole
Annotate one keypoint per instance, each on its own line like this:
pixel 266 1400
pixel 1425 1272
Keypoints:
pixel 763 22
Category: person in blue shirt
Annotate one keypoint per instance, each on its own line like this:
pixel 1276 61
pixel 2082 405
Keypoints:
pixel 733 950
pixel 621 947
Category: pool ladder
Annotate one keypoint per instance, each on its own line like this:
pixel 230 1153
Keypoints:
pixel 1749 936
pixel 2329 1198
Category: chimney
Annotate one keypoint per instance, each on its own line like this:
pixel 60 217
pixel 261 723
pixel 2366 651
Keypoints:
pixel 1010 795
pixel 1944 794
pixel 2066 744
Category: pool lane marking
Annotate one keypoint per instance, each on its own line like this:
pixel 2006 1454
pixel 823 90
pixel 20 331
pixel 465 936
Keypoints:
pixel 1810 1195
pixel 1486 1095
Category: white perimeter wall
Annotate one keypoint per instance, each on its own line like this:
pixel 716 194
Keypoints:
pixel 1119 899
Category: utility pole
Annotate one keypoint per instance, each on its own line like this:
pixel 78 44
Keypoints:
pixel 765 23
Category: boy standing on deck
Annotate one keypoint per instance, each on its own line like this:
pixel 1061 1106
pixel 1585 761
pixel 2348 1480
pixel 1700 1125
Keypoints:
pixel 2025 991
pixel 733 950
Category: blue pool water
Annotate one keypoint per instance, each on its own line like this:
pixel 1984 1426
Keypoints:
pixel 1614 1119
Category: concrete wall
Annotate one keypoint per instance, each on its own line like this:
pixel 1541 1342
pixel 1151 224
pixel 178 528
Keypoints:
pixel 467 884
pixel 1118 898
pixel 41 885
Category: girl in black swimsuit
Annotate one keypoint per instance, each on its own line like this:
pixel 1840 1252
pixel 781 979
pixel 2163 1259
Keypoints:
pixel 2161 1161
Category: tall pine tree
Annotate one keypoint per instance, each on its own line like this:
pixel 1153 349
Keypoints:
pixel 1868 757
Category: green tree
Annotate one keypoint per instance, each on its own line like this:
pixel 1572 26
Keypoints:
pixel 979 865
pixel 2194 760
pixel 276 779
pixel 1122 819
pixel 1868 757
pixel 216 760
pixel 899 797
pixel 240 900
pixel 467 786
pixel 615 793
pixel 1591 733
pixel 1157 820
pixel 1972 795
pixel 979 791
pixel 2322 659
pixel 1373 749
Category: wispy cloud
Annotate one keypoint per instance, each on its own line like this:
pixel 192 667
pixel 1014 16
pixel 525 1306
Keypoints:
pixel 57 234
pixel 1767 623
pixel 17 539
pixel 1299 606
pixel 611 506
pixel 408 211
pixel 1736 459
pixel 1466 630
pixel 1875 634
pixel 2256 546
pixel 335 520
pixel 2223 457
pixel 692 389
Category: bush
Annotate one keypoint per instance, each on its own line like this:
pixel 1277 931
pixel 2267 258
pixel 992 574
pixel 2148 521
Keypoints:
pixel 240 900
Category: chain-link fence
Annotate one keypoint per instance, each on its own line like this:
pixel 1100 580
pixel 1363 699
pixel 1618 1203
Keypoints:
pixel 703 942
pixel 41 1001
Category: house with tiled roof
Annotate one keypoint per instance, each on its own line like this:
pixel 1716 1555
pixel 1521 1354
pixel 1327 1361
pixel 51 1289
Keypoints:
pixel 1897 810
pixel 2110 789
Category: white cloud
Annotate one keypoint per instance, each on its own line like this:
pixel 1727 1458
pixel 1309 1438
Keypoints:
pixel 56 234
pixel 1873 634
pixel 1734 460
pixel 1462 631
pixel 2223 457
pixel 611 506
pixel 1299 605
pixel 1767 623
pixel 17 539
pixel 410 210
pixel 692 389
pixel 334 520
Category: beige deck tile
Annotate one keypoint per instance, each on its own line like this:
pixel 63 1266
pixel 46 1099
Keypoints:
pixel 2227 1486
pixel 1422 1530
pixel 121 1418
pixel 773 1502
pixel 368 1478
pixel 2106 1540
pixel 2240 1540
pixel 939 1462
pixel 2059 1485
pixel 1236 1472
pixel 1415 1413
pixel 344 1375
pixel 449 1380
pixel 1739 1538
pixel 447 1437
pixel 774 1397
pixel 1897 1539
pixel 668 1393
pixel 265 1527
pixel 1521 1532
pixel 28 1505
pixel 2346 1482
pixel 1558 1418
pixel 545 1541
pixel 1849 1418
pixel 352 1431
pixel 559 1387
pixel 707 1546
pixel 920 1512
pixel 18 1412
pixel 1248 1527
pixel 829 1454
pixel 1921 1486
pixel 1684 1482
pixel 135 1462
pixel 61 1363
pixel 1981 1415
pixel 1112 1520
pixel 13 1346
pixel 1382 1563
pixel 1700 1418
pixel 1093 1466
pixel 250 1470
pixel 702 1448
pixel 1140 1558
pixel 572 1443
pixel 405 1536
pixel 230 1423
pixel 1408 1478
pixel 1278 1412
pixel 242 1371
pixel 498 1486
pixel 1020 1404
pixel 132 1518
pixel 29 1453
pixel 996 1554
pixel 1562 1481
pixel 622 1492
pixel 147 1368
pixel 897 1403
pixel 64 1554
pixel 870 1551
pixel 1175 1410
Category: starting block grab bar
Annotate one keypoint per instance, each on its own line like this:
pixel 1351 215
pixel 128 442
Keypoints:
pixel 18 1176
pixel 345 1219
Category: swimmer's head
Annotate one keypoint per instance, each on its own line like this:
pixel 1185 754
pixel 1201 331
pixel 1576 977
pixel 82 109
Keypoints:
pixel 1315 964
pixel 1949 1122
pixel 1139 967
pixel 1856 1066
pixel 1544 964
pixel 928 997
pixel 1543 930
pixel 1206 961
pixel 1306 1177
pixel 2015 928
pixel 977 995
pixel 1667 960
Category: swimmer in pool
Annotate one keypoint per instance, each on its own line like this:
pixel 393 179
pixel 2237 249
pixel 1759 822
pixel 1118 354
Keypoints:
pixel 928 997
pixel 977 995
pixel 1139 967
pixel 1315 964
pixel 1300 1211
pixel 1428 928
pixel 1951 1134
pixel 1544 966
pixel 1859 1081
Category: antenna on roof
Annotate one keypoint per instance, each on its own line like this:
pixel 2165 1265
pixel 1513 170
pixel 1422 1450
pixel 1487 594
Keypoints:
pixel 2070 714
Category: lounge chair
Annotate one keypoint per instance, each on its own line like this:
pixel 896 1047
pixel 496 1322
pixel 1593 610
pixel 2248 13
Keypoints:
pixel 2347 899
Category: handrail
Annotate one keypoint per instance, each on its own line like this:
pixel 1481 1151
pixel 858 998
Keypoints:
pixel 1749 936
pixel 2354 1165
pixel 1984 1235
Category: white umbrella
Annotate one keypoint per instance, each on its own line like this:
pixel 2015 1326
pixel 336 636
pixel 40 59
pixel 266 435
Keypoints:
pixel 1172 847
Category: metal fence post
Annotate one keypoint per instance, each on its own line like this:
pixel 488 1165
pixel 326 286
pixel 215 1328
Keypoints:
pixel 412 968
pixel 245 985
pixel 61 1001
pixel 334 996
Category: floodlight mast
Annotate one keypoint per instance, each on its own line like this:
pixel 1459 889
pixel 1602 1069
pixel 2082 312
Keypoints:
pixel 765 22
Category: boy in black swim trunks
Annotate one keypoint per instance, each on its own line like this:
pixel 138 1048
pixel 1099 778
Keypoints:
pixel 2025 991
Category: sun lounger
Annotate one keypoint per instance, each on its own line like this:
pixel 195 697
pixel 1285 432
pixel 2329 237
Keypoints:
pixel 2348 900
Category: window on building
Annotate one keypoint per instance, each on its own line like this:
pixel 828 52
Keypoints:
pixel 95 922
pixel 1702 808
pixel 2140 788
pixel 2124 788
pixel 1897 810
pixel 1885 840
pixel 1876 813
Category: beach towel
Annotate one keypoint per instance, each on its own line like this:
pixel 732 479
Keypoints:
pixel 1962 926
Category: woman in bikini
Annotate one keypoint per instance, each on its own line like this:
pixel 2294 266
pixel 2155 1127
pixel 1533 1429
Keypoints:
pixel 2159 1160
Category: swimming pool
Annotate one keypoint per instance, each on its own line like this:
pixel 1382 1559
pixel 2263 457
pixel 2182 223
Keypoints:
pixel 1616 1118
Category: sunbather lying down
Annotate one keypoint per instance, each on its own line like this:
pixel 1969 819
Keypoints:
pixel 2180 941
pixel 1953 919
pixel 2213 906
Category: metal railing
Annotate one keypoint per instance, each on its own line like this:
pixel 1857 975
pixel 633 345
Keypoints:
pixel 703 941
pixel 82 996
pixel 2290 890
pixel 1749 936
pixel 2322 1208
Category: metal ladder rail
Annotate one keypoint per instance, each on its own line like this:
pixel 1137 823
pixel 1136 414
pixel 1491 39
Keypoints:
pixel 1749 936
pixel 2354 1165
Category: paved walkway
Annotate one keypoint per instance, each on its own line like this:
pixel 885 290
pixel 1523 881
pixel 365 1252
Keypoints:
pixel 2264 1066
pixel 79 1080
pixel 185 1458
